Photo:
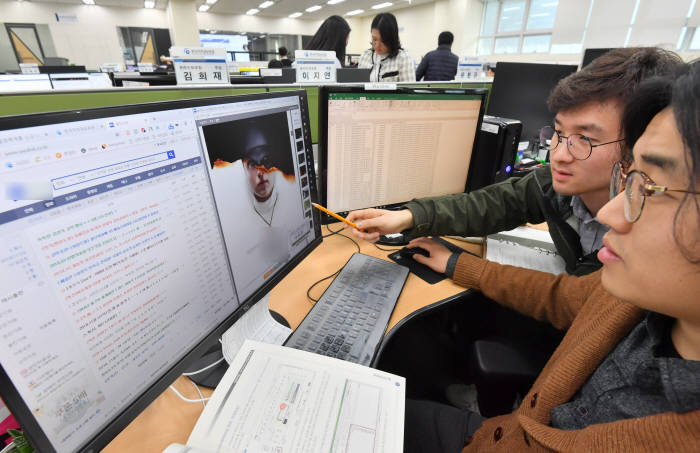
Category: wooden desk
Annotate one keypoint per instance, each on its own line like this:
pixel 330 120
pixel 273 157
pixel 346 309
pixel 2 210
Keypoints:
pixel 169 419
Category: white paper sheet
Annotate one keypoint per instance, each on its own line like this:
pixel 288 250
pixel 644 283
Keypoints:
pixel 256 324
pixel 525 247
pixel 274 398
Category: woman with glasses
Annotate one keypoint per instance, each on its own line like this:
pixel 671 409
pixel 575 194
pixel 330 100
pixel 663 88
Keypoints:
pixel 626 377
pixel 387 59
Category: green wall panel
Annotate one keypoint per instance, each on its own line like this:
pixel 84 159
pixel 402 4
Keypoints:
pixel 35 103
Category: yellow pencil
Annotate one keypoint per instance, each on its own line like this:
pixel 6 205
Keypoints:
pixel 333 214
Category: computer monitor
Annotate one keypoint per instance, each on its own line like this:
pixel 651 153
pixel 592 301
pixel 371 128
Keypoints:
pixel 15 83
pixel 278 75
pixel 50 69
pixel 80 81
pixel 591 54
pixel 520 91
pixel 353 75
pixel 116 267
pixel 384 148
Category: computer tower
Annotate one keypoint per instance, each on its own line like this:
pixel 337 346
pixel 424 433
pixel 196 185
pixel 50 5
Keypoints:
pixel 496 150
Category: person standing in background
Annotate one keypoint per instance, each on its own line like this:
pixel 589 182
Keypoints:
pixel 388 61
pixel 441 63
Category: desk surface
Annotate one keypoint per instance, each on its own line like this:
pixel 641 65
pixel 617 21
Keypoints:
pixel 169 419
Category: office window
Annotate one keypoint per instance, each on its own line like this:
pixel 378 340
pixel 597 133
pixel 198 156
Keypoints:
pixel 517 26
pixel 536 44
pixel 488 24
pixel 511 18
pixel 541 15
pixel 507 45
pixel 485 46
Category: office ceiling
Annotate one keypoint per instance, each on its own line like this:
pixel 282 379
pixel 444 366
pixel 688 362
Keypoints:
pixel 281 8
pixel 160 4
pixel 284 8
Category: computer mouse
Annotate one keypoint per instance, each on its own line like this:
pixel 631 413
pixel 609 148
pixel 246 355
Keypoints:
pixel 409 252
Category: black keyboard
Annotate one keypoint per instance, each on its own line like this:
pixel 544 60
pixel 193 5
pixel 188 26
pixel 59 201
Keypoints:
pixel 349 320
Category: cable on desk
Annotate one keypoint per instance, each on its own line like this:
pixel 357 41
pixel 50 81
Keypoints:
pixel 192 373
pixel 387 250
pixel 188 400
pixel 196 387
pixel 332 232
pixel 308 291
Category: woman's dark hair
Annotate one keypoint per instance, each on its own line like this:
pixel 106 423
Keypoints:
pixel 331 35
pixel 681 92
pixel 388 28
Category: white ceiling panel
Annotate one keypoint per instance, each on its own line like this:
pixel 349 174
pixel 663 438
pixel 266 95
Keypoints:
pixel 281 8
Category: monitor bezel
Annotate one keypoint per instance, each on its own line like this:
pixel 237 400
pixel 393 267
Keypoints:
pixel 325 91
pixel 9 392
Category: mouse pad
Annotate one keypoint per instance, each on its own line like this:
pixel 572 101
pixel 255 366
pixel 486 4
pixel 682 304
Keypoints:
pixel 421 270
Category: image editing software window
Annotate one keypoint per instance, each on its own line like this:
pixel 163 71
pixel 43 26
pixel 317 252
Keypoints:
pixel 116 276
pixel 387 148
pixel 258 170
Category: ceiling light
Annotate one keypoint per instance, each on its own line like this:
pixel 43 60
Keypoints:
pixel 149 4
pixel 250 12
pixel 266 4
pixel 382 5
pixel 211 2
pixel 203 8
pixel 335 2
pixel 295 15
pixel 261 36
pixel 311 9
pixel 89 2
pixel 355 11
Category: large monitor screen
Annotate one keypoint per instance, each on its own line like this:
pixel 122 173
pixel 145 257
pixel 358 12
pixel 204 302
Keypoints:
pixel 388 147
pixel 116 267
pixel 520 91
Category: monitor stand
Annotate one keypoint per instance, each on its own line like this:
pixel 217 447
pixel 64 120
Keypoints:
pixel 392 239
pixel 211 376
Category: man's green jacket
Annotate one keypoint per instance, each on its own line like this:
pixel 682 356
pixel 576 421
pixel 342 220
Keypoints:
pixel 504 206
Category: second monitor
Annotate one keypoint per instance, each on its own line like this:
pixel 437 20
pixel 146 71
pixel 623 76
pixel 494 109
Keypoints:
pixel 384 148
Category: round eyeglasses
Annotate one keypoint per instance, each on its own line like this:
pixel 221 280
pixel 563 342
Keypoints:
pixel 579 146
pixel 637 186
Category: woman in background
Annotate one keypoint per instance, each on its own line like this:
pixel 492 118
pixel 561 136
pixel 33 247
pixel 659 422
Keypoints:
pixel 333 34
pixel 387 59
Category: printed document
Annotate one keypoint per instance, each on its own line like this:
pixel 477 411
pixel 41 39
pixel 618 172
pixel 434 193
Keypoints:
pixel 279 399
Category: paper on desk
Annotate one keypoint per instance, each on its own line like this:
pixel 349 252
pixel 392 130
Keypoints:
pixel 525 247
pixel 274 398
pixel 256 324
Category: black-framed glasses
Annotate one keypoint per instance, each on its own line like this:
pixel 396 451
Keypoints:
pixel 579 146
pixel 637 186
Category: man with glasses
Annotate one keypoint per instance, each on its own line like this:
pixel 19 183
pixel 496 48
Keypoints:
pixel 585 141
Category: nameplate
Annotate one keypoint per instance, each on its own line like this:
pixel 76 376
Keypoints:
pixel 29 68
pixel 380 86
pixel 315 66
pixel 469 68
pixel 199 65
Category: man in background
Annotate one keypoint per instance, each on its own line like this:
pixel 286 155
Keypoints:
pixel 441 63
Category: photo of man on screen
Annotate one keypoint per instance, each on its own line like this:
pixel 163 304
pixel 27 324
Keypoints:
pixel 258 199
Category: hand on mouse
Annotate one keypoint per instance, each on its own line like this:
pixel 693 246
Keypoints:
pixel 439 254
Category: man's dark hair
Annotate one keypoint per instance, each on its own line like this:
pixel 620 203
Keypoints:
pixel 614 75
pixel 331 35
pixel 446 37
pixel 283 51
pixel 388 28
pixel 680 91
